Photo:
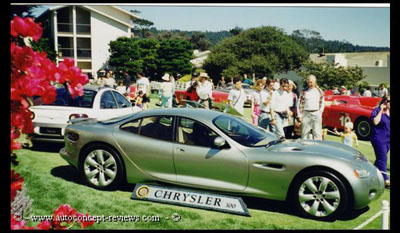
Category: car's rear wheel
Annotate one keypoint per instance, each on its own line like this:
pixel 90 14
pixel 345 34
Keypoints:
pixel 319 195
pixel 363 128
pixel 101 167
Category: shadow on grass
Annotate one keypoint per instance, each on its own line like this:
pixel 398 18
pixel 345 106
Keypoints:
pixel 70 174
pixel 285 208
pixel 52 147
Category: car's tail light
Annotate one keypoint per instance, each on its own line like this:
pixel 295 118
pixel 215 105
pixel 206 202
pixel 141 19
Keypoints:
pixel 33 115
pixel 73 116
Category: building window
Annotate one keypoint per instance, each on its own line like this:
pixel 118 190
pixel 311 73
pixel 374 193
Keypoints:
pixel 83 47
pixel 82 21
pixel 66 46
pixel 64 20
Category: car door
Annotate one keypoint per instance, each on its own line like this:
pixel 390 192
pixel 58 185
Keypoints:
pixel 148 142
pixel 199 163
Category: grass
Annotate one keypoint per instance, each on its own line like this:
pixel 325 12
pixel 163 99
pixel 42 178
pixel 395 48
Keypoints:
pixel 50 181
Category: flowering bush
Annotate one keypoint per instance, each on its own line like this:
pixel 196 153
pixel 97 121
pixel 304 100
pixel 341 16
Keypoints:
pixel 33 74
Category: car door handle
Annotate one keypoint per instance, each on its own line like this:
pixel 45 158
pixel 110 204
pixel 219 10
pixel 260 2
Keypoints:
pixel 180 150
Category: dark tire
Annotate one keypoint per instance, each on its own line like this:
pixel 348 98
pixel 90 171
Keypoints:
pixel 319 195
pixel 101 167
pixel 363 128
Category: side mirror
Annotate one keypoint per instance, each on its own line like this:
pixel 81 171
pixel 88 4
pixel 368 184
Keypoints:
pixel 219 142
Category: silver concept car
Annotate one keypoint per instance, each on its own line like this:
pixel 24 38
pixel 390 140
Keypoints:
pixel 211 150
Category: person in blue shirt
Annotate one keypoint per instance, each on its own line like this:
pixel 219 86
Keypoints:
pixel 247 80
pixel 380 135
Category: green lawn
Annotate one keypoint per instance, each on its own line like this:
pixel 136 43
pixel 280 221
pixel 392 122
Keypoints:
pixel 50 181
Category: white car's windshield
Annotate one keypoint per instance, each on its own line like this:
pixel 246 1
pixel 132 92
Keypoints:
pixel 243 132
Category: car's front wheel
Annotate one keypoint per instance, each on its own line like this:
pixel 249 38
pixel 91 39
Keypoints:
pixel 101 167
pixel 319 195
pixel 363 128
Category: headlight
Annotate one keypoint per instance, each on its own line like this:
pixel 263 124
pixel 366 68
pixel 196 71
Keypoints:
pixel 361 173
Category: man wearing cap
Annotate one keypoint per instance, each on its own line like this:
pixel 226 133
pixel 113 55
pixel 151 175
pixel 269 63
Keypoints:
pixel 204 91
pixel 310 108
pixel 143 84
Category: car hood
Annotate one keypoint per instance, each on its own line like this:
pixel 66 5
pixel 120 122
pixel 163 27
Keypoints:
pixel 322 148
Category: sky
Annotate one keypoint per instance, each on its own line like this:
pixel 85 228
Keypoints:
pixel 364 26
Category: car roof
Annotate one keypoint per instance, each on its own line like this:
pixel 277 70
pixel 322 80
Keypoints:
pixel 194 113
pixel 95 87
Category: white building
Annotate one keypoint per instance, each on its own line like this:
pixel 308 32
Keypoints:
pixel 84 33
pixel 199 57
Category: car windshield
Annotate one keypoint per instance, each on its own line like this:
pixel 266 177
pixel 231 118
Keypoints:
pixel 243 132
pixel 64 98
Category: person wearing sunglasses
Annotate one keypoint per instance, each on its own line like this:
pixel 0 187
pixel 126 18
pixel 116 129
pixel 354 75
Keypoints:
pixel 380 135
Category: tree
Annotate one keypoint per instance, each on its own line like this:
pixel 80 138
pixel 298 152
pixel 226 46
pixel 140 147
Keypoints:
pixel 263 51
pixel 125 56
pixel 141 26
pixel 235 31
pixel 22 10
pixel 148 50
pixel 331 75
pixel 199 41
pixel 174 57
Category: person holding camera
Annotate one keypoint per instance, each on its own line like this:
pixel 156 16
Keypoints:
pixel 380 135
pixel 280 103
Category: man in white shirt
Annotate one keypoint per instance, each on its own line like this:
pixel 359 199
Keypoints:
pixel 266 120
pixel 382 91
pixel 143 84
pixel 237 96
pixel 310 108
pixel 204 91
pixel 280 104
pixel 367 92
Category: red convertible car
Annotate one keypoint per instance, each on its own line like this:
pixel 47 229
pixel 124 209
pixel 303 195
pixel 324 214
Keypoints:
pixel 340 109
pixel 218 96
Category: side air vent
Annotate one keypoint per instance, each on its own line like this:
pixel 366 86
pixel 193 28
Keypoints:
pixel 270 166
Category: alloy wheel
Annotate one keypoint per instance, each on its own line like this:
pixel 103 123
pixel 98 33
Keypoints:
pixel 319 196
pixel 100 168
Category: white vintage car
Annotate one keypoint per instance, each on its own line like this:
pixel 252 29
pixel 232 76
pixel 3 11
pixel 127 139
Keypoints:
pixel 96 102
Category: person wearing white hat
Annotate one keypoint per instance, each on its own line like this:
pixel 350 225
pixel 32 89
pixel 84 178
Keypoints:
pixel 166 91
pixel 204 91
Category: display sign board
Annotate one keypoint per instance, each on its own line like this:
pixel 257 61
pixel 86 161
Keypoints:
pixel 191 198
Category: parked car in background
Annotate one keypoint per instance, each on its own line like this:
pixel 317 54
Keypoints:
pixel 207 149
pixel 96 102
pixel 247 89
pixel 340 109
pixel 217 95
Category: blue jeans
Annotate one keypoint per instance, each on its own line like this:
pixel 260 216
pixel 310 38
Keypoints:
pixel 279 122
pixel 264 121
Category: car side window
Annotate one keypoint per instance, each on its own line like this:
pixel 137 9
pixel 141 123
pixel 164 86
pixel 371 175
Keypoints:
pixel 131 126
pixel 157 127
pixel 121 100
pixel 191 132
pixel 107 101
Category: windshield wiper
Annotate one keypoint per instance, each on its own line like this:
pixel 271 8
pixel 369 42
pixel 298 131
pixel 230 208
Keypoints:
pixel 274 142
